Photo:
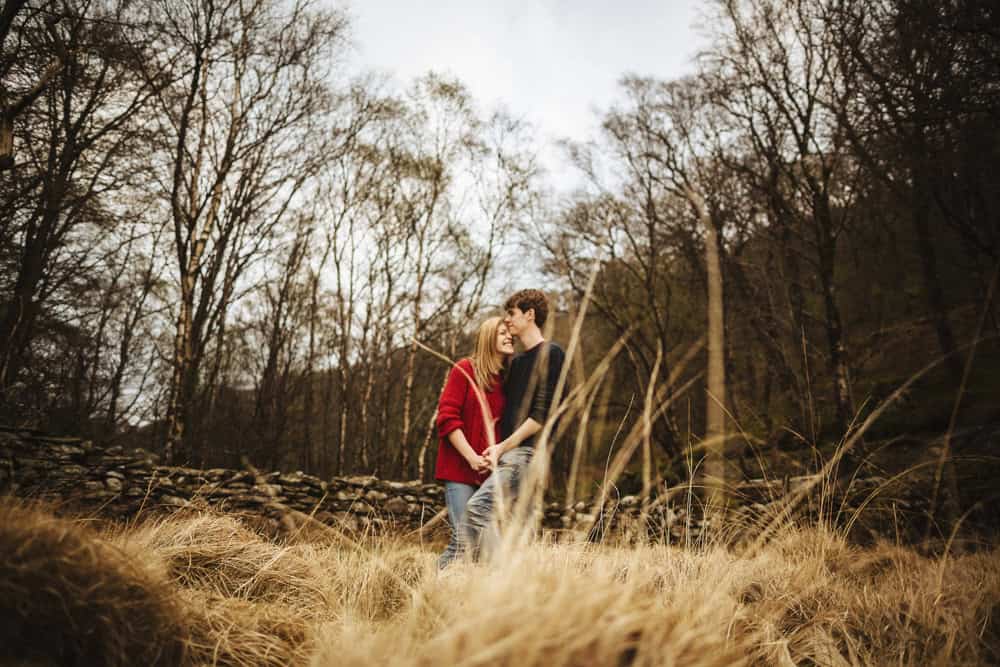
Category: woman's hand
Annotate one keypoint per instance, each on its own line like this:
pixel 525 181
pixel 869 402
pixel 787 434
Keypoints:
pixel 478 463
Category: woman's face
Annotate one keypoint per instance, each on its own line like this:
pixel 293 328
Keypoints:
pixel 505 342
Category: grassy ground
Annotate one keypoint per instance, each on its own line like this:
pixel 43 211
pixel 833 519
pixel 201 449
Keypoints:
pixel 204 589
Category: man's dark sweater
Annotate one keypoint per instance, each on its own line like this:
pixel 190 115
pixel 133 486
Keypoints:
pixel 530 386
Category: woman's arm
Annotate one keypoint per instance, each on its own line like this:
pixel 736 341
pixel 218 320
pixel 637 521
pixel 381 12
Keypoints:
pixel 449 420
pixel 458 441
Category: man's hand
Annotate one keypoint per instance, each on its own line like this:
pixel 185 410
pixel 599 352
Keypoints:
pixel 494 452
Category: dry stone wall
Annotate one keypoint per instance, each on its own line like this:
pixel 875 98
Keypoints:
pixel 121 484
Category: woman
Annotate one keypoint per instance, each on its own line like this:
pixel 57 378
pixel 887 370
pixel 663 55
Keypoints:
pixel 471 404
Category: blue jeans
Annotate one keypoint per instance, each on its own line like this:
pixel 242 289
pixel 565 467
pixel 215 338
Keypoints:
pixel 479 529
pixel 456 497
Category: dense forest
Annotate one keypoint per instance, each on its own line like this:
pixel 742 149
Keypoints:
pixel 220 244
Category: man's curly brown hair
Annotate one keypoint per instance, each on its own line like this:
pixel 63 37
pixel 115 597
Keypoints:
pixel 530 298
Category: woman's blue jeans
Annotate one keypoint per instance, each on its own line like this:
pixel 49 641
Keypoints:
pixel 456 497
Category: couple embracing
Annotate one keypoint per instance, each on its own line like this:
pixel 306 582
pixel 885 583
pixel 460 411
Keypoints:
pixel 493 406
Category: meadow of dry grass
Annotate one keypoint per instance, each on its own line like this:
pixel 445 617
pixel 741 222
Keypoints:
pixel 203 589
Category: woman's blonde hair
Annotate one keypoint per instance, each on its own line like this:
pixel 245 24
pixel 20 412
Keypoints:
pixel 487 363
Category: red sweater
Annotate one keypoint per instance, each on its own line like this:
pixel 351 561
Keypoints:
pixel 459 408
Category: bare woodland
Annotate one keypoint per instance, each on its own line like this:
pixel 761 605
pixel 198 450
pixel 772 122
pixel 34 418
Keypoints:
pixel 219 244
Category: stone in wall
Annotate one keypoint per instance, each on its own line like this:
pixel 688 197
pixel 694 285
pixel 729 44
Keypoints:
pixel 122 484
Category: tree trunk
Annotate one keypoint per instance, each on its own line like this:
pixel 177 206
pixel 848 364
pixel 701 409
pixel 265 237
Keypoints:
pixel 342 419
pixel 715 412
pixel 928 272
pixel 837 349
pixel 404 440
pixel 181 364
pixel 422 455
pixel 42 238
pixel 15 331
pixel 308 401
pixel 365 400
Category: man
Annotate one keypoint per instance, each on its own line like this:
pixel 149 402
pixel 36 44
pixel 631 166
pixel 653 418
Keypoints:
pixel 530 386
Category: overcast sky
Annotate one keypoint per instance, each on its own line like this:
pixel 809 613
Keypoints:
pixel 552 62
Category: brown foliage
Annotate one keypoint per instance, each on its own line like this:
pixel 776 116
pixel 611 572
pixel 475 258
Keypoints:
pixel 69 597
pixel 204 590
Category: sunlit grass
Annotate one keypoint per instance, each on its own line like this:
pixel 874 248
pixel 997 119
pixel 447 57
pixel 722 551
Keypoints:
pixel 231 596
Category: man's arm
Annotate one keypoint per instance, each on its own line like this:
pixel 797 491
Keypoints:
pixel 541 403
pixel 528 428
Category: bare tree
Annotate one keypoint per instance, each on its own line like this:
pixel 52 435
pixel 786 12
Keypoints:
pixel 79 135
pixel 361 178
pixel 279 379
pixel 773 70
pixel 912 67
pixel 17 96
pixel 436 133
pixel 671 127
pixel 250 99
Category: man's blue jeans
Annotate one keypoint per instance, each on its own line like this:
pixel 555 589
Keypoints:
pixel 479 528
pixel 456 497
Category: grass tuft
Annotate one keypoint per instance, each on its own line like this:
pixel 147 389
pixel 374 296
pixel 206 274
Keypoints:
pixel 203 589
pixel 69 597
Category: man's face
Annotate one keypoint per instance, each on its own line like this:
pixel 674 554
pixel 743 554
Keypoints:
pixel 516 320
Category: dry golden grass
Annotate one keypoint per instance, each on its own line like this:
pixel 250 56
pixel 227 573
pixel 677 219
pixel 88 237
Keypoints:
pixel 203 589
pixel 68 597
pixel 546 605
pixel 218 554
pixel 234 631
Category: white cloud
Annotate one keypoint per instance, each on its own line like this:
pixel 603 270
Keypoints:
pixel 550 61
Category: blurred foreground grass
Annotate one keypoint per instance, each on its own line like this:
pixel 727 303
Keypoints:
pixel 203 589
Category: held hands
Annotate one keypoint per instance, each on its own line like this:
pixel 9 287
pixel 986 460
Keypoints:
pixel 494 452
pixel 479 463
